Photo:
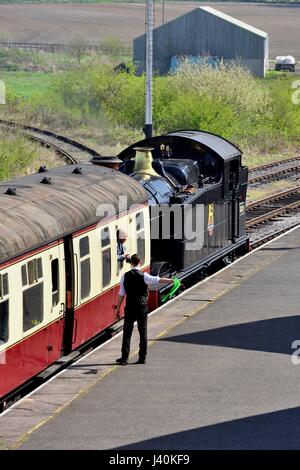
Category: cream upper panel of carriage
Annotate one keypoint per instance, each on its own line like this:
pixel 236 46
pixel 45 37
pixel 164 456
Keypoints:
pixel 32 292
pixel 99 263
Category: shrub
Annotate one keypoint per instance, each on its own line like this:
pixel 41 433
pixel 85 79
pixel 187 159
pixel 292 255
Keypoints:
pixel 78 48
pixel 17 155
pixel 112 46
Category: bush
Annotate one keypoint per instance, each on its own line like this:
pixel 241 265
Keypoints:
pixel 78 48
pixel 227 100
pixel 13 60
pixel 17 155
pixel 112 46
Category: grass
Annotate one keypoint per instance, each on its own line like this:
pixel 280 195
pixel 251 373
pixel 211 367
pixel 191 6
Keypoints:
pixel 20 60
pixel 251 160
pixel 19 156
pixel 268 189
pixel 27 86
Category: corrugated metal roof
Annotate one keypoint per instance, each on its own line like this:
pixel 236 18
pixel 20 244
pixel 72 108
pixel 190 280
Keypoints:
pixel 41 213
pixel 214 12
pixel 234 21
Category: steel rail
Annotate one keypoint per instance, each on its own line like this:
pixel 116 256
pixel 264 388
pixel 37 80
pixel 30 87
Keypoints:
pixel 53 140
pixel 270 215
pixel 273 198
pixel 278 174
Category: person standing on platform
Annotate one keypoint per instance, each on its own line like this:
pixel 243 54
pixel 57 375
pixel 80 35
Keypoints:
pixel 134 285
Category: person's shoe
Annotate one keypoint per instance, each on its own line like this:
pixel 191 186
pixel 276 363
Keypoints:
pixel 122 361
pixel 141 361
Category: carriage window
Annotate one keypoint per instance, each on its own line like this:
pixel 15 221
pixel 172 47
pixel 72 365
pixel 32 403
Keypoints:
pixel 140 234
pixel 55 281
pixel 3 285
pixel 85 268
pixel 33 306
pixel 106 257
pixel 33 293
pixel 84 247
pixel 32 272
pixel 24 275
pixel 105 237
pixel 4 308
pixel 39 268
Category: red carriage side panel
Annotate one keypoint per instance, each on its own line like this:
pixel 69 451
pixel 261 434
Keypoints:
pixel 30 356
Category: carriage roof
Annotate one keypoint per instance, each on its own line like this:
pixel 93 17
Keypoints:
pixel 39 213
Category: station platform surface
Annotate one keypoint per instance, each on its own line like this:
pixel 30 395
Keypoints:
pixel 219 372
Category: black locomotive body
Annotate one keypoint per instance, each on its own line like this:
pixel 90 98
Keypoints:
pixel 197 194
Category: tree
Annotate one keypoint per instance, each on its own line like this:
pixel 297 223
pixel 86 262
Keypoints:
pixel 78 48
pixel 112 46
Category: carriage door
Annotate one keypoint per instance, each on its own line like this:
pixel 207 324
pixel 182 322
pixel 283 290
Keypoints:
pixel 234 196
pixel 69 295
pixel 57 302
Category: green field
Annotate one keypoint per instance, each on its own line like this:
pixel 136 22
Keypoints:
pixel 28 86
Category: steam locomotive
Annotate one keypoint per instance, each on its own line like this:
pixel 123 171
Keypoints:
pixel 183 206
pixel 195 179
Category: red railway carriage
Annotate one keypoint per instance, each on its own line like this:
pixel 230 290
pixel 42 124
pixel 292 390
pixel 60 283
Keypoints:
pixel 59 274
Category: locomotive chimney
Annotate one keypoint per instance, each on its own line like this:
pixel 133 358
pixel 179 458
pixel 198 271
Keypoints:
pixel 143 161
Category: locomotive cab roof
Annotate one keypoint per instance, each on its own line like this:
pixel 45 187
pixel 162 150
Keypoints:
pixel 193 158
pixel 46 206
pixel 186 144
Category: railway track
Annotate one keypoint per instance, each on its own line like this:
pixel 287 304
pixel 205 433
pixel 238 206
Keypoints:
pixel 68 149
pixel 273 171
pixel 272 206
pixel 259 241
pixel 272 216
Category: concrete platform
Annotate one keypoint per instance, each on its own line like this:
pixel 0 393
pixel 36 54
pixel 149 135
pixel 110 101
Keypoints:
pixel 219 373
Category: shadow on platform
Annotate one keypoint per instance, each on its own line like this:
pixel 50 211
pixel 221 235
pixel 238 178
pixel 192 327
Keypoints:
pixel 277 430
pixel 275 335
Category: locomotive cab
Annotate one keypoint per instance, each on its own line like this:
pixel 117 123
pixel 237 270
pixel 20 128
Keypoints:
pixel 196 189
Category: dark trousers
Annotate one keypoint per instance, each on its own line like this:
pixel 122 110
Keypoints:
pixel 141 318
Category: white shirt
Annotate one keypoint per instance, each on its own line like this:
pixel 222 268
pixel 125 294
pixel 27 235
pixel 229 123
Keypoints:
pixel 148 279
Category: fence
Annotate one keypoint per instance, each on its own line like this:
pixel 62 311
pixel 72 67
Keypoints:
pixel 46 47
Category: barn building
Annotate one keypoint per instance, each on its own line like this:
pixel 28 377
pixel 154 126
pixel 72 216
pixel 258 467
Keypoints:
pixel 206 32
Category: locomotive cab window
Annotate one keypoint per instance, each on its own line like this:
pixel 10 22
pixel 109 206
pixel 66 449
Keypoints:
pixel 85 267
pixel 106 257
pixel 33 293
pixel 4 309
pixel 55 281
pixel 140 236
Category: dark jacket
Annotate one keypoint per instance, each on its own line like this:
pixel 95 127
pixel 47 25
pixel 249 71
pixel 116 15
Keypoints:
pixel 136 291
